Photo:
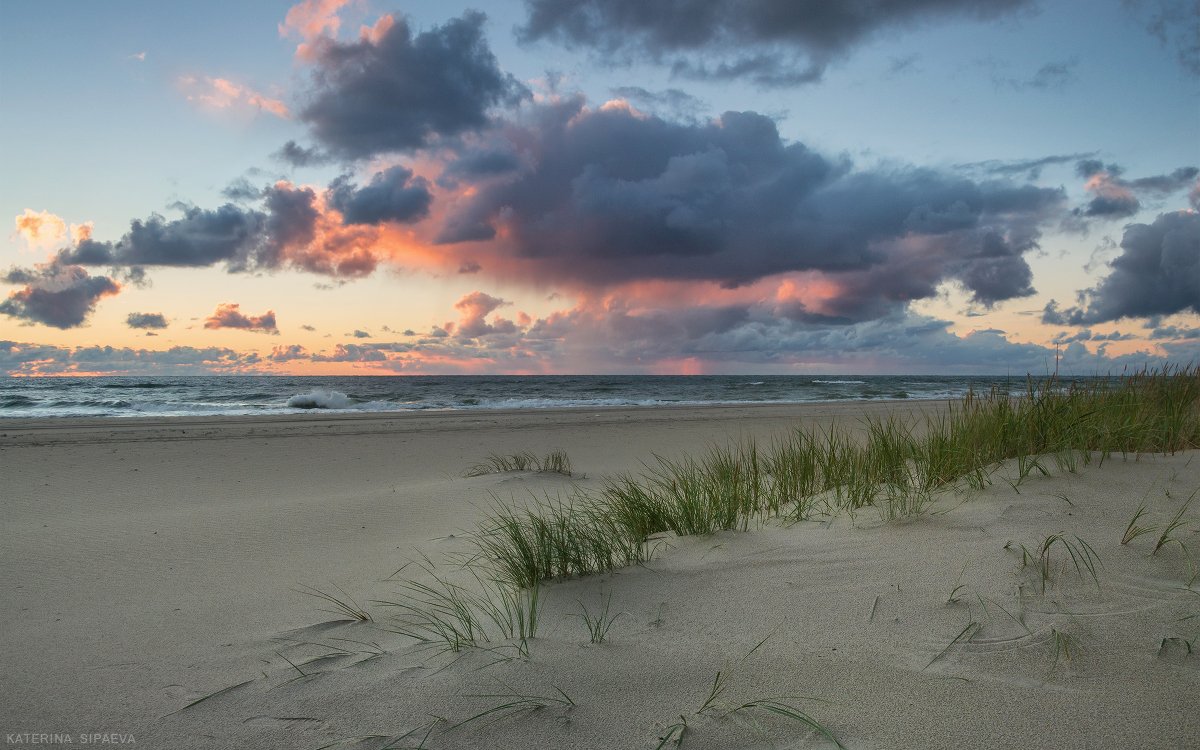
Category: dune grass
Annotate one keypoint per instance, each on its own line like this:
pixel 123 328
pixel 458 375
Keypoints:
pixel 343 604
pixel 1081 554
pixel 554 462
pixel 896 467
pixel 1168 535
pixel 451 616
pixel 599 623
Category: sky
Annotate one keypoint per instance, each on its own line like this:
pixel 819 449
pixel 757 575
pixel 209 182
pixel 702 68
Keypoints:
pixel 599 186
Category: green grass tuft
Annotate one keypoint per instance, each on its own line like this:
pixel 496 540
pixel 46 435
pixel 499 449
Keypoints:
pixel 555 462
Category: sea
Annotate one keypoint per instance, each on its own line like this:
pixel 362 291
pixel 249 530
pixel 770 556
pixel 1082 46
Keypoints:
pixel 58 397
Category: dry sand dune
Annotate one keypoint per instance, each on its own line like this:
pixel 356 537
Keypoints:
pixel 148 565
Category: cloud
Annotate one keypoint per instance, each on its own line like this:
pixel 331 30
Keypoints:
pixel 222 93
pixel 40 228
pixel 360 334
pixel 476 306
pixel 392 195
pixel 654 333
pixel 18 358
pixel 200 238
pixel 478 164
pixel 145 320
pixel 673 102
pixel 55 294
pixel 1088 335
pixel 299 156
pixel 228 315
pixel 241 190
pixel 1157 273
pixel 1030 169
pixel 1176 24
pixel 289 353
pixel 610 195
pixel 1117 197
pixel 290 222
pixel 291 227
pixel 1175 332
pixel 769 42
pixel 1053 76
pixel 392 90
pixel 312 20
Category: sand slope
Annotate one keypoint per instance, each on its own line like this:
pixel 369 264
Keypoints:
pixel 142 575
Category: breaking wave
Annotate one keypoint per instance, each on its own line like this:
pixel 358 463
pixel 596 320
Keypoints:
pixel 320 399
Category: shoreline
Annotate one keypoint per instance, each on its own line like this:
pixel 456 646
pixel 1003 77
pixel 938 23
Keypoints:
pixel 14 428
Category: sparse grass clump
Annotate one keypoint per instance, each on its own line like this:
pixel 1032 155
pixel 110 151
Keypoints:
pixel 1066 646
pixel 343 604
pixel 1081 554
pixel 1168 536
pixel 1133 530
pixel 554 462
pixel 599 623
pixel 451 616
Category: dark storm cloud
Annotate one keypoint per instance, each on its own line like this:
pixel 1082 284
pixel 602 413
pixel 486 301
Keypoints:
pixel 1174 332
pixel 1167 183
pixel 229 315
pixel 1157 273
pixel 241 238
pixel 611 196
pixel 291 218
pixel 1113 206
pixel 770 42
pixel 299 156
pixel 1028 168
pixel 146 320
pixel 400 91
pixel 478 164
pixel 57 295
pixel 392 195
pixel 200 238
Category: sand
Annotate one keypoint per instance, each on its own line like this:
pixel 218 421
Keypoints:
pixel 150 563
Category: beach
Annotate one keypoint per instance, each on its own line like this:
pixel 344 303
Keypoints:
pixel 154 570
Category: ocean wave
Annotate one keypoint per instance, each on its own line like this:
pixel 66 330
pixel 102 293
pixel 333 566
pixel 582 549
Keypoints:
pixel 16 402
pixel 320 399
pixel 136 385
pixel 840 382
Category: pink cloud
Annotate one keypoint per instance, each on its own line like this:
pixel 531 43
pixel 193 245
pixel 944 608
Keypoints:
pixel 222 93
pixel 311 21
pixel 228 315
pixel 40 228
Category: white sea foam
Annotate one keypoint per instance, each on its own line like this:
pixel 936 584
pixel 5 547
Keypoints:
pixel 320 399
pixel 840 382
